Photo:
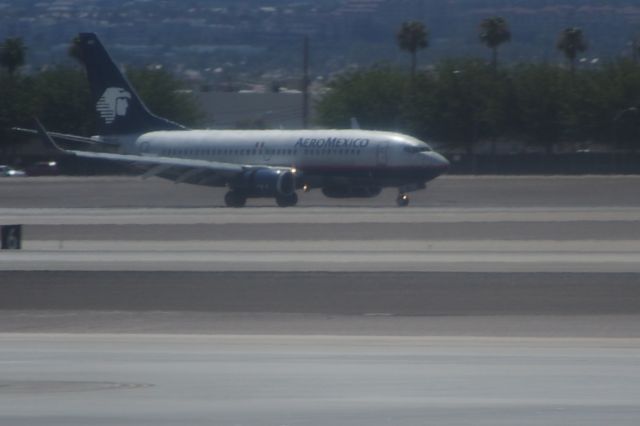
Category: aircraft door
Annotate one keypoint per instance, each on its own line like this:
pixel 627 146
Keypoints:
pixel 382 153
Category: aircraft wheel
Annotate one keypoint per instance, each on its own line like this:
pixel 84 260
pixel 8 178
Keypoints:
pixel 287 200
pixel 235 199
pixel 402 200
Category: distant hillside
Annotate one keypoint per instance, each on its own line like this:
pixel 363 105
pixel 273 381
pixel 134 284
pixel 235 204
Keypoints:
pixel 258 36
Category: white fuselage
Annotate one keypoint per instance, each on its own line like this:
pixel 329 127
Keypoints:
pixel 308 151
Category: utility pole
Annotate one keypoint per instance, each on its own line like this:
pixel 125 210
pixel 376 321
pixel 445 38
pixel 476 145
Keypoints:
pixel 305 83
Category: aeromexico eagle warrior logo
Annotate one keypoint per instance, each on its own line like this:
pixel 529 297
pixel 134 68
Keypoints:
pixel 114 102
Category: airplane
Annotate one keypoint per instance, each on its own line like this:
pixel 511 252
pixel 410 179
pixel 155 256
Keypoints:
pixel 251 163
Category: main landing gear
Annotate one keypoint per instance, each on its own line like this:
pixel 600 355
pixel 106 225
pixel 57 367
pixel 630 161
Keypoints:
pixel 235 198
pixel 289 200
pixel 402 200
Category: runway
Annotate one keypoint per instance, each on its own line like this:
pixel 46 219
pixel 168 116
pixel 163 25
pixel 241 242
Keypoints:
pixel 488 301
pixel 446 191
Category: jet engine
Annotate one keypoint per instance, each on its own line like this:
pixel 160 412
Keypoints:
pixel 267 182
pixel 364 191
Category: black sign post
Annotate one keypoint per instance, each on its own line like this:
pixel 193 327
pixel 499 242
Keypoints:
pixel 11 237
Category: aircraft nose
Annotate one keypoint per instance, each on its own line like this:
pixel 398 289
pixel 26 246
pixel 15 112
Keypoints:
pixel 439 163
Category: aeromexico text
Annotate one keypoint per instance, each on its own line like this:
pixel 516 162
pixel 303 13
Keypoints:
pixel 331 143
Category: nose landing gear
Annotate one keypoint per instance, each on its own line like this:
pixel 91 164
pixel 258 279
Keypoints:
pixel 402 200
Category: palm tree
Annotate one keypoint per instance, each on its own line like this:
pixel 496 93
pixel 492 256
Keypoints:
pixel 571 42
pixel 12 53
pixel 493 32
pixel 413 36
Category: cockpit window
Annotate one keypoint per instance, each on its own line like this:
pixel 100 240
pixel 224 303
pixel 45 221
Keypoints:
pixel 421 148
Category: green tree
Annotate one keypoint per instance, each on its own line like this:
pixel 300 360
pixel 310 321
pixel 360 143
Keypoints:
pixel 373 96
pixel 63 101
pixel 12 54
pixel 165 95
pixel 618 98
pixel 571 42
pixel 413 36
pixel 539 90
pixel 494 32
pixel 16 105
pixel 471 104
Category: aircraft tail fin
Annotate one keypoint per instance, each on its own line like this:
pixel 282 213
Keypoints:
pixel 120 110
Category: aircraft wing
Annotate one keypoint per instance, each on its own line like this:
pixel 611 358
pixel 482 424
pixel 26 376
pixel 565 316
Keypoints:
pixel 182 169
pixel 64 136
pixel 165 162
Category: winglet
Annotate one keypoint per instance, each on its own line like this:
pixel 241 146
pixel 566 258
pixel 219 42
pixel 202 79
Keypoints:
pixel 46 138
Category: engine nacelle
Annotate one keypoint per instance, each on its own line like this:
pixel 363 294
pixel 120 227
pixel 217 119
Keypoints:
pixel 267 182
pixel 362 191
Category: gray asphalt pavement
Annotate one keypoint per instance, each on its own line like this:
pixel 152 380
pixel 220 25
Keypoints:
pixel 99 322
pixel 73 380
pixel 392 293
pixel 508 250
pixel 446 191
pixel 143 303
pixel 462 231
